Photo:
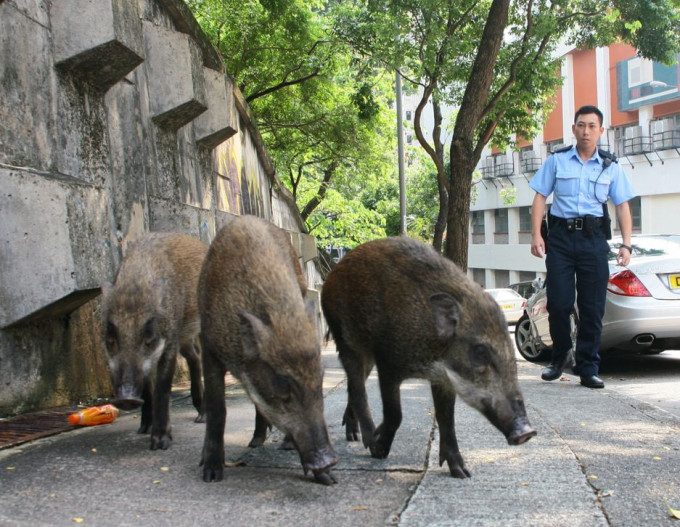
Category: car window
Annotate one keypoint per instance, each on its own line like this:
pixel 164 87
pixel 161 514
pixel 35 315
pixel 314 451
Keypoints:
pixel 649 246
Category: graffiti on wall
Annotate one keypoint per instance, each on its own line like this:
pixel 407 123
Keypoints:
pixel 241 186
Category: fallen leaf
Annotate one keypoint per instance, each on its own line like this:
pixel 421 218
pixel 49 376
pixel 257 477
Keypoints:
pixel 490 460
pixel 606 494
pixel 514 459
pixel 592 476
pixel 379 480
pixel 656 458
pixel 673 512
pixel 78 520
pixel 94 450
pixel 232 464
pixel 583 424
pixel 156 481
pixel 165 469
pixel 359 508
pixel 525 483
pixel 11 468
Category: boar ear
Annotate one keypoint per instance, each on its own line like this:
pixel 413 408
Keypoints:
pixel 446 310
pixel 254 334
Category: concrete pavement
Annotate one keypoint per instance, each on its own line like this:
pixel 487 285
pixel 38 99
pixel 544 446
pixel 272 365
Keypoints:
pixel 600 458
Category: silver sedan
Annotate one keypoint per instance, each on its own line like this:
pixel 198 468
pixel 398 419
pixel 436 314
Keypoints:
pixel 642 311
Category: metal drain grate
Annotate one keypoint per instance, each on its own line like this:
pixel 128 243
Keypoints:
pixel 27 427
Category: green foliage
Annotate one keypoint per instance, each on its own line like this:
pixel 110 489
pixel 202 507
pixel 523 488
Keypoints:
pixel 322 111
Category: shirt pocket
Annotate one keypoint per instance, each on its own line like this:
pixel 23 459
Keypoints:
pixel 598 185
pixel 566 184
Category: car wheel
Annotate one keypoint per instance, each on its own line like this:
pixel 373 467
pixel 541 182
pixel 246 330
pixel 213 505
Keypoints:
pixel 527 345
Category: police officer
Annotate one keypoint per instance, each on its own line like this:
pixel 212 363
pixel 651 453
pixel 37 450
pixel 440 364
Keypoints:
pixel 581 178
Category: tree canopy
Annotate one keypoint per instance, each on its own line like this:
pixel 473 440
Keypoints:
pixel 318 76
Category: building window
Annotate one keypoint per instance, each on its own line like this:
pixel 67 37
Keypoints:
pixel 636 213
pixel 525 219
pixel 477 222
pixel 501 216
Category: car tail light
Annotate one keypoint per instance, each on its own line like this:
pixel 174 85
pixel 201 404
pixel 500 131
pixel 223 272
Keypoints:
pixel 625 283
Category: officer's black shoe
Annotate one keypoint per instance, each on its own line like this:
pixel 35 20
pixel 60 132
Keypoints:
pixel 555 369
pixel 592 381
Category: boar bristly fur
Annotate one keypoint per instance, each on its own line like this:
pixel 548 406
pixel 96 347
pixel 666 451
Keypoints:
pixel 149 314
pixel 257 324
pixel 397 304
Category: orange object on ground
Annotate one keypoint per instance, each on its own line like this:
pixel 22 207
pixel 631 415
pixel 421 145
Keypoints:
pixel 95 415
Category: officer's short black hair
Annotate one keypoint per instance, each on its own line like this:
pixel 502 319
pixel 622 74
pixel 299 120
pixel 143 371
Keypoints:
pixel 584 110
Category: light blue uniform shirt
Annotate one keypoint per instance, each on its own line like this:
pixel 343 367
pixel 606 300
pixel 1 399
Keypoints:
pixel 580 188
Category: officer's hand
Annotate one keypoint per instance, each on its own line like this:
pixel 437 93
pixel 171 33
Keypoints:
pixel 538 246
pixel 623 257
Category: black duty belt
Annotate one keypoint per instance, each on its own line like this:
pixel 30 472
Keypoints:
pixel 587 223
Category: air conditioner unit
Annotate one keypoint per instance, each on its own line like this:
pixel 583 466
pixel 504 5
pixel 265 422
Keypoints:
pixel 487 168
pixel 530 161
pixel 502 166
pixel 636 142
pixel 665 134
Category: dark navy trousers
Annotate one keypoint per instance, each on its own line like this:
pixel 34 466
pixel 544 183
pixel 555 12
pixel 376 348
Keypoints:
pixel 577 268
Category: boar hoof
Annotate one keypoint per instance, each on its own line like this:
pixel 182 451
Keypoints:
pixel 212 474
pixel 287 444
pixel 144 428
pixel 381 444
pixel 200 418
pixel 324 477
pixel 351 426
pixel 456 466
pixel 161 443
pixel 256 441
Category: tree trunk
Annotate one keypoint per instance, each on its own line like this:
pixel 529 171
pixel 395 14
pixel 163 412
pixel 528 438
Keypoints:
pixel 470 115
pixel 440 225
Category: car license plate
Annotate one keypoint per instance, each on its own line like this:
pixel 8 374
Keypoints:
pixel 674 280
pixel 505 307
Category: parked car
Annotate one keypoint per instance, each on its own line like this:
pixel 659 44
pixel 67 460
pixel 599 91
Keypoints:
pixel 642 310
pixel 526 289
pixel 511 303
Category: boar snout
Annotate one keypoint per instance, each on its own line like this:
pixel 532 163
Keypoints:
pixel 521 431
pixel 128 403
pixel 320 462
pixel 318 459
pixel 127 397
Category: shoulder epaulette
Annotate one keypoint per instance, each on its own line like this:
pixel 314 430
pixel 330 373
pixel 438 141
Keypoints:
pixel 563 149
pixel 608 157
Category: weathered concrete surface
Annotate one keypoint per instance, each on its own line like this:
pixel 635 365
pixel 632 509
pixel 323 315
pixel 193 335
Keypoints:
pixel 116 119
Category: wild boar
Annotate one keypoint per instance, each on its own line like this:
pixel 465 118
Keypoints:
pixel 149 314
pixel 397 304
pixel 257 323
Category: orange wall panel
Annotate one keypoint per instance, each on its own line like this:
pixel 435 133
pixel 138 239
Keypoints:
pixel 552 131
pixel 666 108
pixel 585 77
pixel 617 53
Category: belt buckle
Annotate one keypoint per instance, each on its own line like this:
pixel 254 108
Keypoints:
pixel 578 224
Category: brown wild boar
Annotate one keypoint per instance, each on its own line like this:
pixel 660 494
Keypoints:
pixel 150 314
pixel 257 323
pixel 397 304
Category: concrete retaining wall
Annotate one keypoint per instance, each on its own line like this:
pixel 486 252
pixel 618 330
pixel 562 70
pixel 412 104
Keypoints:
pixel 116 118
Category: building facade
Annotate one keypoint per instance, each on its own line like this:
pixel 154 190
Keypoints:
pixel 640 100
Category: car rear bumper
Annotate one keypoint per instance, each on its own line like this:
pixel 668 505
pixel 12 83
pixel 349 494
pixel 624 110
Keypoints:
pixel 637 323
